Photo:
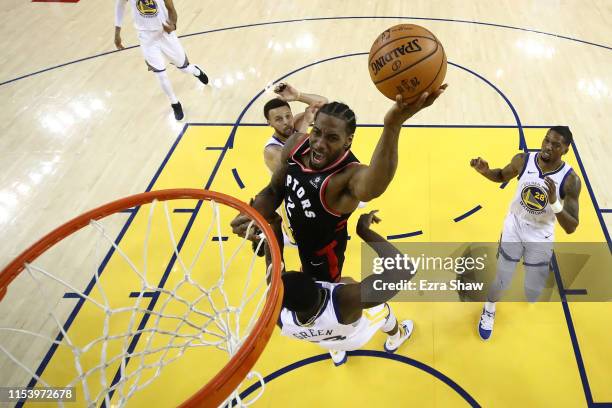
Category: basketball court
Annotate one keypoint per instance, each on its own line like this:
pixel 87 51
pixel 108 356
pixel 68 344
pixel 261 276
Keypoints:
pixel 84 125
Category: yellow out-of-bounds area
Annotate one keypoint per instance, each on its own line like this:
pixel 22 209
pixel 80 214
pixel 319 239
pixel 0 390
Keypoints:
pixel 444 363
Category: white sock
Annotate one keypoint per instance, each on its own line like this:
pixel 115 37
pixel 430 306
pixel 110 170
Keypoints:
pixel 165 84
pixel 490 307
pixel 191 69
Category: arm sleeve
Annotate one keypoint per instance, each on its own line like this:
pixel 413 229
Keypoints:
pixel 119 11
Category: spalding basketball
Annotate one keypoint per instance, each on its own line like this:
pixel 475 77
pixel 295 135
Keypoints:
pixel 407 59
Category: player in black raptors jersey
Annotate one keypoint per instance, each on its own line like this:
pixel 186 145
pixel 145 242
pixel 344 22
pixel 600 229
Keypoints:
pixel 322 182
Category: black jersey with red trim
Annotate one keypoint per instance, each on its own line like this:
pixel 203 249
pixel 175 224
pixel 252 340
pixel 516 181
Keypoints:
pixel 320 233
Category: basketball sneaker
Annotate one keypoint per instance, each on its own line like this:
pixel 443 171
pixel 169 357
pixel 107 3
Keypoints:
pixel 338 357
pixel 202 77
pixel 485 327
pixel 406 328
pixel 178 111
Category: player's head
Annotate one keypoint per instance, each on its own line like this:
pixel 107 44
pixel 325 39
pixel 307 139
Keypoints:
pixel 556 143
pixel 332 133
pixel 279 116
pixel 301 293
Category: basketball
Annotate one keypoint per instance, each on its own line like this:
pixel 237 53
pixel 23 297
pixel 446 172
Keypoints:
pixel 407 59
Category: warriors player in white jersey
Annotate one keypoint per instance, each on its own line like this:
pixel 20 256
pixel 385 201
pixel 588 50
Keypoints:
pixel 547 191
pixel 333 315
pixel 155 21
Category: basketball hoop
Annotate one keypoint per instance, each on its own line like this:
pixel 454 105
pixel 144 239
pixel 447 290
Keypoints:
pixel 233 313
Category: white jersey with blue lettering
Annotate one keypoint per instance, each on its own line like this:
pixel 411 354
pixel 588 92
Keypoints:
pixel 327 331
pixel 531 204
pixel 149 15
pixel 274 141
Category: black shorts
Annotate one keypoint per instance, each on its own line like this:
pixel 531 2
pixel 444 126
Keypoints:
pixel 326 263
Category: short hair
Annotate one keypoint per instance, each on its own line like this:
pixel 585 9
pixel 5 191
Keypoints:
pixel 273 104
pixel 301 293
pixel 341 111
pixel 565 132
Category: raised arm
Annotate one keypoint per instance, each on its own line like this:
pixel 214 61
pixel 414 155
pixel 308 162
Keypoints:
pixel 351 295
pixel 369 182
pixel 500 175
pixel 567 214
pixel 270 198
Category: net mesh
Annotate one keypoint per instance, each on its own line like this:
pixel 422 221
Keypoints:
pixel 174 289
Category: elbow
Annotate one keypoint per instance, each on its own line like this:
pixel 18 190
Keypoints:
pixel 570 229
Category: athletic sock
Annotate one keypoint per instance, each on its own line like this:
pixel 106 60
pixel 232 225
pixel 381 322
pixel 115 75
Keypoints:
pixel 191 69
pixel 166 86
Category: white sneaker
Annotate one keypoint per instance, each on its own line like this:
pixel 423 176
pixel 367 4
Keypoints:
pixel 406 327
pixel 485 327
pixel 338 357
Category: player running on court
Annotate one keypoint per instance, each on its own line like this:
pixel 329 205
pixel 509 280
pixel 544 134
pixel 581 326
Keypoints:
pixel 547 191
pixel 155 21
pixel 322 182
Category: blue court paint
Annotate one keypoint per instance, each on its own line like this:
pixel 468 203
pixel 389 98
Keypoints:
pixel 214 147
pixel 605 210
pixel 184 210
pixel 365 353
pixel 503 185
pixel 467 214
pixel 572 332
pixel 575 291
pixel 522 142
pixel 448 20
pixel 129 210
pixel 72 295
pixel 406 235
pixel 145 294
pixel 237 178
pixel 592 194
pixel 47 358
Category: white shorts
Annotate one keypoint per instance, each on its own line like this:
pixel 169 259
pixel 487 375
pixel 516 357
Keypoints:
pixel 532 242
pixel 372 320
pixel 157 46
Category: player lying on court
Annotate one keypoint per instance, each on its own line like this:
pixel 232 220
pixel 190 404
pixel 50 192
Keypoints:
pixel 547 191
pixel 155 21
pixel 322 182
pixel 333 315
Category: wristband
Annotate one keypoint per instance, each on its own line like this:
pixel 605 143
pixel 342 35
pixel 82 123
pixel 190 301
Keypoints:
pixel 557 207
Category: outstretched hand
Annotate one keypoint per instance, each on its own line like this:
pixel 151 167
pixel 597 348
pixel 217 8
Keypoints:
pixel 480 165
pixel 311 111
pixel 401 111
pixel 365 220
pixel 286 92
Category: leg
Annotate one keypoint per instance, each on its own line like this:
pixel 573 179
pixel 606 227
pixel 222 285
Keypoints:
pixel 537 261
pixel 172 48
pixel 150 46
pixel 509 253
pixel 398 333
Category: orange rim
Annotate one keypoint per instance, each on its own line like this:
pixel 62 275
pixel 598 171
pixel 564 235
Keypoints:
pixel 221 385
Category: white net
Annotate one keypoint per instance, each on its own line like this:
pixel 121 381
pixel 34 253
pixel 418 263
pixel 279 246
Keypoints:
pixel 167 296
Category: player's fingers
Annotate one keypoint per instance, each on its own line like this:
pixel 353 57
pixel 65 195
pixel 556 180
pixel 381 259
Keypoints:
pixel 376 219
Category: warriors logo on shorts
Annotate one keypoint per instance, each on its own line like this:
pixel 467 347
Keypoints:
pixel 534 199
pixel 146 8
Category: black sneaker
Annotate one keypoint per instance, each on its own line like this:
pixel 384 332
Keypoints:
pixel 178 111
pixel 202 77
